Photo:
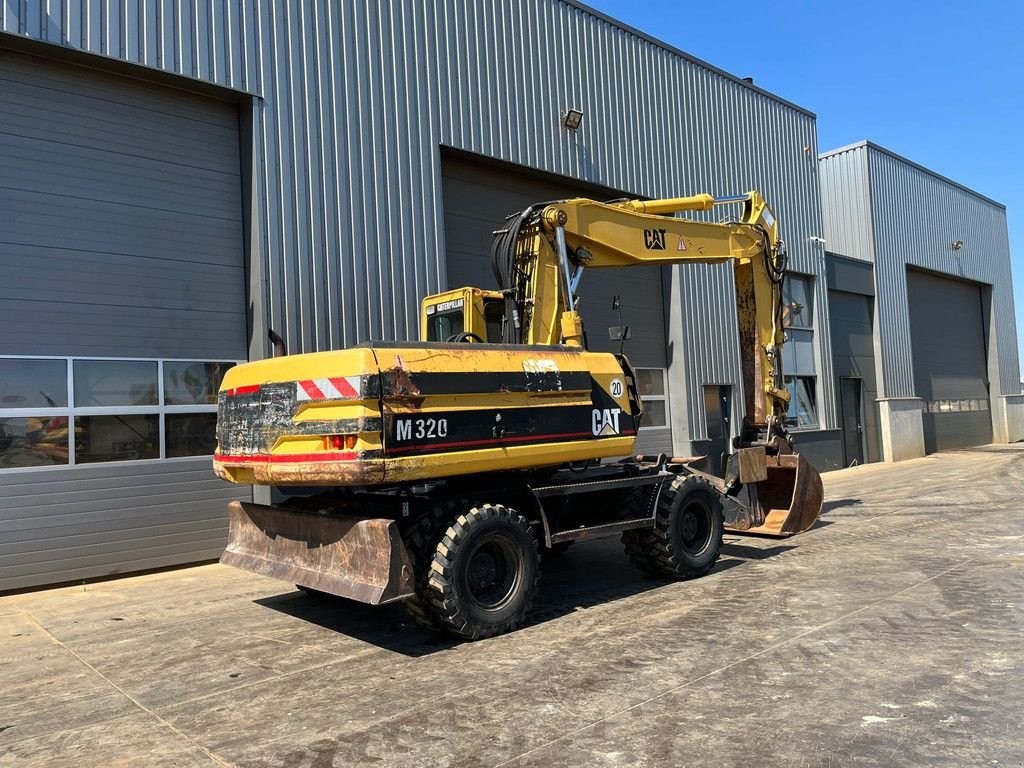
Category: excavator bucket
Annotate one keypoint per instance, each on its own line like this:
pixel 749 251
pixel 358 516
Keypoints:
pixel 362 559
pixel 787 499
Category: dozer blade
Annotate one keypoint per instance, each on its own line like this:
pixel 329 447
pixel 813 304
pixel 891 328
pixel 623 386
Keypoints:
pixel 358 558
pixel 789 500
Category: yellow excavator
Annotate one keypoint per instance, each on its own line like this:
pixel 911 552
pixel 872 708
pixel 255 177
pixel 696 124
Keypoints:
pixel 437 471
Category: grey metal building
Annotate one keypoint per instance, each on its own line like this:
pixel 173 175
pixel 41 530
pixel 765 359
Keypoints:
pixel 179 177
pixel 921 305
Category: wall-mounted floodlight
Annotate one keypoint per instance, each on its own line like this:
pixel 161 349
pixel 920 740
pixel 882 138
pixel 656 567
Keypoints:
pixel 956 245
pixel 571 119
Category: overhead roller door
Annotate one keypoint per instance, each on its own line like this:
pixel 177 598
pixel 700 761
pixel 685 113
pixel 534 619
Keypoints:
pixel 123 301
pixel 477 198
pixel 950 367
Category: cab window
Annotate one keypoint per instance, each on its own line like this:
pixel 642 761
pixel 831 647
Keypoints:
pixel 443 325
pixel 494 318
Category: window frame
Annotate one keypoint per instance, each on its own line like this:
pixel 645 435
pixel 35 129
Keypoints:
pixel 70 411
pixel 663 397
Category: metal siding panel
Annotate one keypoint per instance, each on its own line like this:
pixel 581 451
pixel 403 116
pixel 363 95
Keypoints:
pixel 846 203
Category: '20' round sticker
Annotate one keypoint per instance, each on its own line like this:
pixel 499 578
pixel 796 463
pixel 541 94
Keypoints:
pixel 616 388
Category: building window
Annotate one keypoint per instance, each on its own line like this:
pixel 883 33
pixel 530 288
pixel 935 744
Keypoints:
pixel 803 410
pixel 798 301
pixel 71 411
pixel 650 383
pixel 798 364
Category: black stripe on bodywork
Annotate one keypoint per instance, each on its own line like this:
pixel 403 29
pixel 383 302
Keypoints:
pixel 455 430
pixel 484 382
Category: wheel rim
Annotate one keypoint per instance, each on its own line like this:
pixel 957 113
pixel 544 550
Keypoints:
pixel 493 572
pixel 695 527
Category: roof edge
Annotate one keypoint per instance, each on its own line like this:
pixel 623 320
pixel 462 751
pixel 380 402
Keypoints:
pixel 684 55
pixel 866 144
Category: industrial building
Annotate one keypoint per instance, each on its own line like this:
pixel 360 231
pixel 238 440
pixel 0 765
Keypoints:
pixel 179 178
pixel 920 297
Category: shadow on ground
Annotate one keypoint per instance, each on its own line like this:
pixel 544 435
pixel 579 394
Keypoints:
pixel 829 506
pixel 590 574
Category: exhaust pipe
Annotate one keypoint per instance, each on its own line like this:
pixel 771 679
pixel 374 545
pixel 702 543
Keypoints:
pixel 278 342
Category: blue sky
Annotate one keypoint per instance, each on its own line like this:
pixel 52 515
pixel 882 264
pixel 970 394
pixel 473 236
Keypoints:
pixel 940 83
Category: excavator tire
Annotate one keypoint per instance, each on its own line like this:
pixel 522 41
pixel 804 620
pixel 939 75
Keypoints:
pixel 421 540
pixel 484 572
pixel 687 536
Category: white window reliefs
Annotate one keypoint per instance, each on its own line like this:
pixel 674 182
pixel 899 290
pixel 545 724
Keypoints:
pixel 63 411
pixel 652 385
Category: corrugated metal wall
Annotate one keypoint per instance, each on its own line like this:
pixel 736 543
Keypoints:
pixel 915 217
pixel 846 204
pixel 357 97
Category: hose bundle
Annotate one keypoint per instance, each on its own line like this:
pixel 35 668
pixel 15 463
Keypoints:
pixel 513 263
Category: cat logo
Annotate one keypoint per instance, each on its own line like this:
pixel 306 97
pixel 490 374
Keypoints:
pixel 654 239
pixel 605 421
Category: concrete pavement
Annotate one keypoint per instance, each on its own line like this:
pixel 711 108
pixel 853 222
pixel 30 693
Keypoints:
pixel 890 634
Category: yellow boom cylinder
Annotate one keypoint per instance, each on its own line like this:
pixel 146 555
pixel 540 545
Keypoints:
pixel 702 202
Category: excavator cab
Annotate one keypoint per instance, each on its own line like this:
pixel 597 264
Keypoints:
pixel 463 314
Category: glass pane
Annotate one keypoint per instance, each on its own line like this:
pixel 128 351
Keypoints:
pixel 115 382
pixel 33 442
pixel 190 434
pixel 803 410
pixel 443 327
pixel 797 301
pixel 117 438
pixel 494 317
pixel 798 353
pixel 654 414
pixel 33 383
pixel 650 381
pixel 193 383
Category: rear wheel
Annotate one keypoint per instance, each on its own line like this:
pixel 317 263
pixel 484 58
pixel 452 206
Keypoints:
pixel 483 573
pixel 687 536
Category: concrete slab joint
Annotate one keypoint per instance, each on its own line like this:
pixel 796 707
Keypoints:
pixel 902 428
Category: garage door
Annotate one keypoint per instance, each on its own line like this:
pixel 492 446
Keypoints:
pixel 478 197
pixel 950 371
pixel 123 302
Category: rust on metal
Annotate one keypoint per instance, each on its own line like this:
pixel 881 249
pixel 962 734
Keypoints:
pixel 400 381
pixel 262 470
pixel 790 498
pixel 362 559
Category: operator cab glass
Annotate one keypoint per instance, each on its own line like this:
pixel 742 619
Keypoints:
pixel 494 318
pixel 441 326
pixel 446 320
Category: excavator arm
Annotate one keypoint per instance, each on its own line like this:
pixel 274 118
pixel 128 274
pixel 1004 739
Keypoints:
pixel 541 255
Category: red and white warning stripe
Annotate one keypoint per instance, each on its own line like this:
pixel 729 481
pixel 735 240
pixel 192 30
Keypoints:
pixel 334 388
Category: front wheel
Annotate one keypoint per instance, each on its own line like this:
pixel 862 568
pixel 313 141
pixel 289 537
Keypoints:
pixel 484 572
pixel 687 536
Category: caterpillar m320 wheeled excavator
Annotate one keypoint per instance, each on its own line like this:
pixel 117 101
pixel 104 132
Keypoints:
pixel 447 464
